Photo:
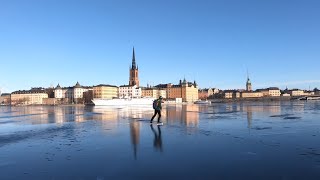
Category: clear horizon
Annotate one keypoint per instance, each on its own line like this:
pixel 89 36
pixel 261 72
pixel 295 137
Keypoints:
pixel 43 43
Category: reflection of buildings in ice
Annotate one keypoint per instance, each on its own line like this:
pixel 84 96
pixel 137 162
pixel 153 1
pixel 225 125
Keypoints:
pixel 137 112
pixel 298 106
pixel 192 115
pixel 270 107
pixel 78 113
pixel 41 117
pixel 69 114
pixel 59 114
pixel 105 114
pixel 230 107
pixel 186 114
pixel 135 136
pixel 108 117
pixel 249 117
pixel 173 113
pixel 34 114
pixel 203 108
pixel 252 109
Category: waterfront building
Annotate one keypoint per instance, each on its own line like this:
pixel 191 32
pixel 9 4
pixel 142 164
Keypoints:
pixel 308 93
pixel 270 92
pixel 73 94
pixel 250 94
pixel 205 93
pixel 58 92
pixel 274 92
pixel 78 91
pixel 128 91
pixel 63 93
pixel 296 92
pixel 5 99
pixel 50 101
pixel 265 92
pixel 153 92
pixel 28 97
pixel 231 94
pixel 188 91
pixel 105 91
pixel 215 91
pixel 228 94
pixel 134 72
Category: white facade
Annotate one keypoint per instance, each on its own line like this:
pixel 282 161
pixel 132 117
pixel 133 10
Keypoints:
pixel 216 91
pixel 75 92
pixel 64 93
pixel 78 92
pixel 130 92
pixel 296 92
pixel 58 93
pixel 274 92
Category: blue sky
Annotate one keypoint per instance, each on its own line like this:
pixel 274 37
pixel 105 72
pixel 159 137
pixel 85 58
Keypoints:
pixel 45 42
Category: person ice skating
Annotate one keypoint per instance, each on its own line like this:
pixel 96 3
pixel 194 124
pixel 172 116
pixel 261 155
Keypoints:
pixel 157 109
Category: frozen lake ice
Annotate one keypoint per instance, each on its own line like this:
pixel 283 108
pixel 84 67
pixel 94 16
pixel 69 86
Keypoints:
pixel 249 140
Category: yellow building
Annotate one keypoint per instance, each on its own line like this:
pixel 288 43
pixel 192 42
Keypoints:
pixel 186 90
pixel 296 92
pixel 231 94
pixel 33 96
pixel 274 92
pixel 247 94
pixel 270 92
pixel 154 92
pixel 104 91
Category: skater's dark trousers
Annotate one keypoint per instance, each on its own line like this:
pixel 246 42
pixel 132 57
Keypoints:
pixel 155 113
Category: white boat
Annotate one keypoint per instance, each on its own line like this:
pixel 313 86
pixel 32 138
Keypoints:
pixel 202 102
pixel 310 98
pixel 123 102
pixel 313 98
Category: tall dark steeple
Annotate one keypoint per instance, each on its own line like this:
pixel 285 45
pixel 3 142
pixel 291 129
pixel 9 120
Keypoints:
pixel 134 72
pixel 134 66
pixel 248 84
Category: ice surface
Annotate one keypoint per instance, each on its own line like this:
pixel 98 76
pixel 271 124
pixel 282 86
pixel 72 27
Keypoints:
pixel 252 140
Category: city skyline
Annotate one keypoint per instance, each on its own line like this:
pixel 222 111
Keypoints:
pixel 212 42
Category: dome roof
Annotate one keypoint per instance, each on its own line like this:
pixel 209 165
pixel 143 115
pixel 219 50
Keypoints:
pixel 77 85
pixel 248 81
pixel 58 86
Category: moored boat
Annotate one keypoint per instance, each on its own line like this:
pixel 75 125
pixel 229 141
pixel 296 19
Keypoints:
pixel 123 102
pixel 202 102
pixel 310 98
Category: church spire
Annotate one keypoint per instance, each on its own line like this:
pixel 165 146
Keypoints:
pixel 134 71
pixel 248 84
pixel 133 60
